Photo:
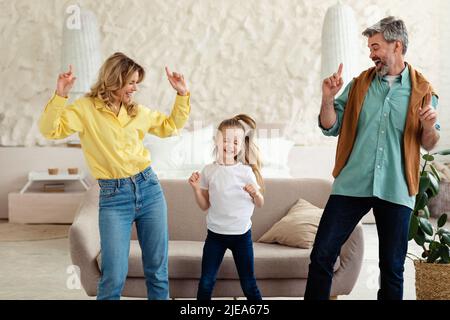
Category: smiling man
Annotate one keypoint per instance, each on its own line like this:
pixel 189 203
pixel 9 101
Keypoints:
pixel 382 119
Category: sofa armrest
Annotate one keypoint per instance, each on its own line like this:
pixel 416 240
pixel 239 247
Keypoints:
pixel 351 257
pixel 84 241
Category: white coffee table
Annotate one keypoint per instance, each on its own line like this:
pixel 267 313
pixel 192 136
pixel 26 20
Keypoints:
pixel 44 176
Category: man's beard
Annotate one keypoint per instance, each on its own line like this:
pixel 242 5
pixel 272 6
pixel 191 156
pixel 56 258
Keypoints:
pixel 383 70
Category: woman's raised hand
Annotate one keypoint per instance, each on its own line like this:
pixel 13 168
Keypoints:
pixel 177 82
pixel 65 82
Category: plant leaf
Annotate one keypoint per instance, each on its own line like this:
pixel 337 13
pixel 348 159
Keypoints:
pixel 426 213
pixel 426 226
pixel 434 184
pixel 413 226
pixel 434 245
pixel 433 255
pixel 442 220
pixel 424 183
pixel 421 201
pixel 436 173
pixel 446 239
pixel 428 157
pixel 443 152
pixel 434 251
pixel 444 252
pixel 419 238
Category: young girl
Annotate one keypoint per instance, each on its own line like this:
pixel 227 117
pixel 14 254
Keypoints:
pixel 229 189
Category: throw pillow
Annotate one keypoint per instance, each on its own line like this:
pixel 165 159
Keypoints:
pixel 297 228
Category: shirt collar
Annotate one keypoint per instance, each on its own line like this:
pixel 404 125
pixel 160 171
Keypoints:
pixel 99 104
pixel 404 75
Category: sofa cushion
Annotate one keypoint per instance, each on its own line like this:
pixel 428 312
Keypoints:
pixel 297 228
pixel 272 261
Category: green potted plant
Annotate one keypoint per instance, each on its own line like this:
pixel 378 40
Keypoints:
pixel 433 266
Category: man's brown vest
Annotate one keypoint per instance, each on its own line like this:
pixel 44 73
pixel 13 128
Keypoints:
pixel 412 132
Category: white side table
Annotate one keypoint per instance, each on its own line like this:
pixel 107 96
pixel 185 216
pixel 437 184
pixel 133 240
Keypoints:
pixel 44 176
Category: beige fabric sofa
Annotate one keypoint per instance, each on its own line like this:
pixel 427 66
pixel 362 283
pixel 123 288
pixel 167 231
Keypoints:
pixel 281 271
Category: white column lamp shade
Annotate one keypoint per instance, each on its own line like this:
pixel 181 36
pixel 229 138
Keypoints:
pixel 81 48
pixel 340 42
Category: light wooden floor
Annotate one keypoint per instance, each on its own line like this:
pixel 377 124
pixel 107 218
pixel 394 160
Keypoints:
pixel 39 270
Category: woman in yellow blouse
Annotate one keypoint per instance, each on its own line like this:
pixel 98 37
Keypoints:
pixel 111 127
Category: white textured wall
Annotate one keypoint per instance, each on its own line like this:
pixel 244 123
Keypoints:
pixel 257 56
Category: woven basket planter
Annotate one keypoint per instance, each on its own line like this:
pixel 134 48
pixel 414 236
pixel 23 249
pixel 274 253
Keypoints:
pixel 432 281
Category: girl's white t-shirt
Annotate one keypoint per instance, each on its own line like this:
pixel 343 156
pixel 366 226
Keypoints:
pixel 231 207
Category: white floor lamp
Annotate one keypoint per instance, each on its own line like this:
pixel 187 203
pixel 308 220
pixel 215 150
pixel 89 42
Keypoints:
pixel 81 47
pixel 340 42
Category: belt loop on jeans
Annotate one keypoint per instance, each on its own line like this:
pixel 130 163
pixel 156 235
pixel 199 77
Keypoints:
pixel 146 173
pixel 118 183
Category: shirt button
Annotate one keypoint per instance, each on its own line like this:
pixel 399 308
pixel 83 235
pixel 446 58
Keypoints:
pixel 378 166
pixel 382 132
pixel 381 149
pixel 385 114
pixel 387 98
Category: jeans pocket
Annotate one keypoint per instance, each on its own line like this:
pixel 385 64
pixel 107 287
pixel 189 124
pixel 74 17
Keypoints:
pixel 107 192
pixel 153 178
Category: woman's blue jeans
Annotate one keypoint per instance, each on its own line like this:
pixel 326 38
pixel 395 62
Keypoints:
pixel 137 199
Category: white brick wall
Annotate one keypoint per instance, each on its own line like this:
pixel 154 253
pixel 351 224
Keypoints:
pixel 257 56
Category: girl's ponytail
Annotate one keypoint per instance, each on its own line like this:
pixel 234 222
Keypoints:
pixel 250 154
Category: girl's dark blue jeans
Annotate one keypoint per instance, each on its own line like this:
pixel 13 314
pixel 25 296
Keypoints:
pixel 214 249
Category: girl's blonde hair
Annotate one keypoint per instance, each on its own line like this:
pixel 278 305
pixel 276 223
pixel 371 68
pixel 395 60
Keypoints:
pixel 114 74
pixel 248 155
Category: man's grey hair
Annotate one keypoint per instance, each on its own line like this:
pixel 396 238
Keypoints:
pixel 392 29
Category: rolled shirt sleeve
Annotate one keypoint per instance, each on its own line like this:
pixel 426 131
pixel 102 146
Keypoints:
pixel 163 126
pixel 59 121
pixel 339 107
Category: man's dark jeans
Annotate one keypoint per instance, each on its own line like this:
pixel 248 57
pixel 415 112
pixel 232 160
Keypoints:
pixel 340 217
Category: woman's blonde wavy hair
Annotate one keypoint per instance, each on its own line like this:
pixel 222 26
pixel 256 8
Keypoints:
pixel 249 154
pixel 114 74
